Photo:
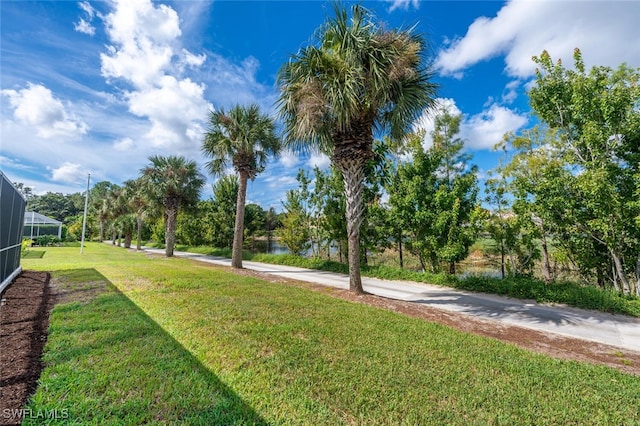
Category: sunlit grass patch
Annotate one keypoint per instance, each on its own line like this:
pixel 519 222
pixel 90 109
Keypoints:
pixel 188 343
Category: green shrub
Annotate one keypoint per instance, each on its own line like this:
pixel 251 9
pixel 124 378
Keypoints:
pixel 47 240
pixel 26 243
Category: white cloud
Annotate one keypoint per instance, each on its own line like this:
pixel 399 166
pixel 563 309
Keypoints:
pixel 124 144
pixel 88 9
pixel 192 60
pixel 426 122
pixel 289 159
pixel 280 182
pixel 160 105
pixel 69 173
pixel 403 4
pixel 145 39
pixel 510 92
pixel 319 160
pixel 84 27
pixel 36 106
pixel 484 130
pixel 479 131
pixel 606 32
pixel 13 163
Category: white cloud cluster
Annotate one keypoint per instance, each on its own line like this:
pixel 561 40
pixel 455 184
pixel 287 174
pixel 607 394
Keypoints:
pixel 320 160
pixel 289 159
pixel 69 173
pixel 84 26
pixel 124 144
pixel 36 106
pixel 403 4
pixel 146 53
pixel 484 130
pixel 606 32
pixel 479 131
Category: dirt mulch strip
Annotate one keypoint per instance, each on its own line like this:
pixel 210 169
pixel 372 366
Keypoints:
pixel 24 319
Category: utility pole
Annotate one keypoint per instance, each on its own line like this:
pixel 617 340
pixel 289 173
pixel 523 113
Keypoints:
pixel 84 219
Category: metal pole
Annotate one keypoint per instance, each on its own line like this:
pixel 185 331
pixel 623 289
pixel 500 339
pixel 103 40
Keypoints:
pixel 33 214
pixel 84 219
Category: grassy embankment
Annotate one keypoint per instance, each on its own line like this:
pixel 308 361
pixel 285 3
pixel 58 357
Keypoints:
pixel 172 341
pixel 565 292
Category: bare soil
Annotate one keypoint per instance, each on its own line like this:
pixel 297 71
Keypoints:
pixel 27 303
pixel 24 319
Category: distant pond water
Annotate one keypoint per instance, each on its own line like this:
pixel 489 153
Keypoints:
pixel 463 270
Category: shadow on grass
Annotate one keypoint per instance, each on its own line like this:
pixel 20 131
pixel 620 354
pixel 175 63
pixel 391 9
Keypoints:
pixel 106 360
pixel 33 254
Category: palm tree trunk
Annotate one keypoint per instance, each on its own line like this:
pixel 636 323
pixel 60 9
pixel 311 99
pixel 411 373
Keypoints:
pixel 353 175
pixel 171 215
pixel 139 234
pixel 236 257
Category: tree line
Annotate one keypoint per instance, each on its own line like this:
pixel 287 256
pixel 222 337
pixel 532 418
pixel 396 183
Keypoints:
pixel 565 195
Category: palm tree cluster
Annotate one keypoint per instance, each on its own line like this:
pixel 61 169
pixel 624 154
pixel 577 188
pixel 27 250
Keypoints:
pixel 357 80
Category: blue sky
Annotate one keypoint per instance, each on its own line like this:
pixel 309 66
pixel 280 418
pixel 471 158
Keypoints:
pixel 98 87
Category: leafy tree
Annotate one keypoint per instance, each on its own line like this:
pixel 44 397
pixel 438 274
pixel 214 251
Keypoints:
pixel 57 205
pixel 173 182
pixel 26 191
pixel 225 195
pixel 271 222
pixel 194 226
pixel 74 228
pixel 329 198
pixel 358 78
pixel 537 179
pixel 246 138
pixel 434 199
pixel 295 231
pixel 458 211
pixel 254 218
pixel 515 246
pixel 596 118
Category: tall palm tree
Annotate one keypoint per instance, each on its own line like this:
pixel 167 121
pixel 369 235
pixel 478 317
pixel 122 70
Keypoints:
pixel 172 182
pixel 116 207
pixel 136 195
pixel 358 78
pixel 246 138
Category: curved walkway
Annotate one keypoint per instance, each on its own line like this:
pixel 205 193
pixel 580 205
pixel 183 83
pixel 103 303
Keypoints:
pixel 616 330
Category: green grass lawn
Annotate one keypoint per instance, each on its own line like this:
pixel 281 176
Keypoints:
pixel 565 292
pixel 172 341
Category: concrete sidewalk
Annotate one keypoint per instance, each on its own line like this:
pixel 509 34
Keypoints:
pixel 616 330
